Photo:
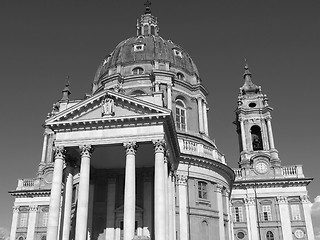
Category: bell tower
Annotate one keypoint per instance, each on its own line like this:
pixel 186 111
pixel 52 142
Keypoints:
pixel 253 121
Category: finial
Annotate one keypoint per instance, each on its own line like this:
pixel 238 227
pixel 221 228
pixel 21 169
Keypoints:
pixel 66 91
pixel 147 4
pixel 246 69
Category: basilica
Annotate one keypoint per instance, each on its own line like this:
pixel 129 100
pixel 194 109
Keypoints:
pixel 134 159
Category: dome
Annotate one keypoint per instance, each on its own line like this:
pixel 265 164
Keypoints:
pixel 147 49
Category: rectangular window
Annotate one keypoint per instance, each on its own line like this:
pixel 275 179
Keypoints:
pixel 237 214
pixel 295 212
pixel 44 222
pixel 202 190
pixel 266 213
pixel 23 219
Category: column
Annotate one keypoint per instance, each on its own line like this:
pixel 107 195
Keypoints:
pixel 169 96
pixel 285 217
pixel 50 148
pixel 166 194
pixel 307 215
pixel 183 213
pixel 270 133
pixel 55 195
pixel 199 100
pixel 252 218
pixel 44 147
pixel 83 197
pixel 243 136
pixel 156 86
pixel 68 188
pixel 171 211
pixel 129 191
pixel 159 191
pixel 14 223
pixel 32 222
pixel 173 181
pixel 220 208
pixel 230 226
pixel 111 202
pixel 205 119
pixel 264 134
pixel 90 209
pixel 147 204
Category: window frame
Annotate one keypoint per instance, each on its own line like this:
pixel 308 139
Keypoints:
pixel 137 71
pixel 239 214
pixel 295 216
pixel 266 212
pixel 181 117
pixel 270 237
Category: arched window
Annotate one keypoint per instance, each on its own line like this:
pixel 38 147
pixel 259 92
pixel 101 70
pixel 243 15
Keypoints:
pixel 21 238
pixel 202 190
pixel 256 138
pixel 180 76
pixel 145 29
pixel 269 235
pixel 180 115
pixel 137 71
pixel 152 30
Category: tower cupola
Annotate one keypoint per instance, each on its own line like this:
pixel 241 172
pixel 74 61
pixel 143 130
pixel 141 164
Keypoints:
pixel 148 24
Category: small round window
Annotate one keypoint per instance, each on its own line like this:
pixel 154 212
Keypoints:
pixel 252 105
pixel 240 235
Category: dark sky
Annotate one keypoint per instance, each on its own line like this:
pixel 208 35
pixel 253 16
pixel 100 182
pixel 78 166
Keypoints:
pixel 43 41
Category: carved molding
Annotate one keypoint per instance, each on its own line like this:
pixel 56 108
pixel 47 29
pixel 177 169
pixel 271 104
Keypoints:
pixel 219 188
pixel 86 150
pixel 131 148
pixel 304 199
pixel 15 209
pixel 159 145
pixel 34 208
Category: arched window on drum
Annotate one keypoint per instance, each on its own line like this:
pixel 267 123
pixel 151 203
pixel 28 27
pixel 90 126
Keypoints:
pixel 181 115
pixel 269 235
pixel 137 71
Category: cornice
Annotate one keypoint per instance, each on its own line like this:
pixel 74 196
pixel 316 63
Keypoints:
pixel 30 193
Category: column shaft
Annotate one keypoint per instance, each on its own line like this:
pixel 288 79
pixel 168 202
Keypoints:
pixel 170 207
pixel 243 136
pixel 32 222
pixel 200 115
pixel 285 218
pixel 307 216
pixel 252 218
pixel 147 205
pixel 205 119
pixel 83 197
pixel 111 202
pixel 183 213
pixel 55 196
pixel 14 223
pixel 159 192
pixel 166 194
pixel 44 148
pixel 220 208
pixel 129 192
pixel 67 203
pixel 169 96
pixel 270 133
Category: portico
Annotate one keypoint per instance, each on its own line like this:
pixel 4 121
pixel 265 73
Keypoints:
pixel 125 151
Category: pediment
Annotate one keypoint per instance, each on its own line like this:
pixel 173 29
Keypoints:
pixel 107 106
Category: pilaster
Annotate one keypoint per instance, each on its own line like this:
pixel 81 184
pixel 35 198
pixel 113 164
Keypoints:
pixel 285 217
pixel 183 204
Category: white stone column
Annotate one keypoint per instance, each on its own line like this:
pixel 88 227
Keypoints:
pixel 285 217
pixel 166 194
pixel 306 205
pixel 252 218
pixel 111 202
pixel 173 199
pixel 55 195
pixel 44 147
pixel 243 136
pixel 171 211
pixel 68 188
pixel 264 133
pixel 147 204
pixel 14 223
pixel 270 133
pixel 200 114
pixel 83 197
pixel 230 225
pixel 129 191
pixel 169 96
pixel 205 119
pixel 183 204
pixel 219 189
pixel 90 209
pixel 159 191
pixel 32 222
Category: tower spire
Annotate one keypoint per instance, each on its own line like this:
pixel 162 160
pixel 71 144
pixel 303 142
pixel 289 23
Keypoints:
pixel 147 4
pixel 248 86
pixel 66 91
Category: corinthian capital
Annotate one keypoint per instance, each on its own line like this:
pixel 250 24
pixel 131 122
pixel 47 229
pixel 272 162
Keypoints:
pixel 249 201
pixel 59 152
pixel 282 199
pixel 304 199
pixel 181 179
pixel 131 147
pixel 159 145
pixel 219 188
pixel 86 150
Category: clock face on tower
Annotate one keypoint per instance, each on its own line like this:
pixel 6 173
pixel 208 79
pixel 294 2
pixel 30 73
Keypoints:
pixel 261 167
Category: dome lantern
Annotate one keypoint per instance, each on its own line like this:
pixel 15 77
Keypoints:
pixel 148 24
